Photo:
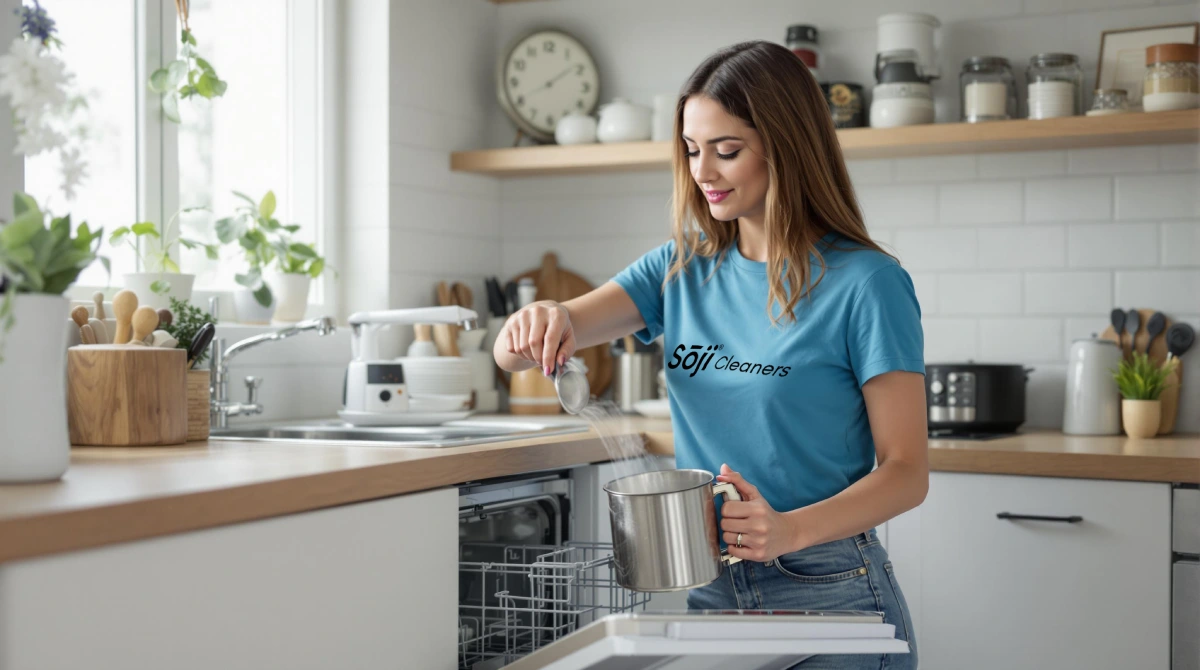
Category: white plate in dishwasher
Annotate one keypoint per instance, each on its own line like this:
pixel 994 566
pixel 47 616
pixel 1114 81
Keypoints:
pixel 751 640
pixel 401 418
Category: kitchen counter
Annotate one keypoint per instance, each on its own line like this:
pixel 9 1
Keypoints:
pixel 113 495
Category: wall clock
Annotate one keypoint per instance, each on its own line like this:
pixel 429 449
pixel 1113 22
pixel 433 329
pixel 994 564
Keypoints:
pixel 544 76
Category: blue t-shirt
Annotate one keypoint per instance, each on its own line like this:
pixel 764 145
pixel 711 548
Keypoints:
pixel 782 405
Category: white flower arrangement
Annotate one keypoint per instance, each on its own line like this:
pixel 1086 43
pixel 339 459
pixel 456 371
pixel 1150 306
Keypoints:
pixel 47 112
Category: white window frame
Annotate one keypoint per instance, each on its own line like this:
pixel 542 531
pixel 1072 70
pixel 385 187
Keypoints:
pixel 312 142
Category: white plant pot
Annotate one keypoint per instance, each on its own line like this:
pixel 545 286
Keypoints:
pixel 248 310
pixel 33 390
pixel 291 296
pixel 139 283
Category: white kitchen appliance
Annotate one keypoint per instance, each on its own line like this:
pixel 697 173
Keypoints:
pixel 374 386
pixel 910 30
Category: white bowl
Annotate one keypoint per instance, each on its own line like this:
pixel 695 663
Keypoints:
pixel 439 402
pixel 889 113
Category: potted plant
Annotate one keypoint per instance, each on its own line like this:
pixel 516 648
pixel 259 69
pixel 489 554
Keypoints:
pixel 1141 382
pixel 280 271
pixel 40 262
pixel 161 278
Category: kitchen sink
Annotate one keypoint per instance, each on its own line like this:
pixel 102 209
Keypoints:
pixel 451 434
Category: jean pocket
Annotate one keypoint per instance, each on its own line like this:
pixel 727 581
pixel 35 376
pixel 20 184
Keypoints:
pixel 822 565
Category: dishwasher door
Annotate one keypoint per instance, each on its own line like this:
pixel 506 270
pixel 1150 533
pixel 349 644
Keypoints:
pixel 750 640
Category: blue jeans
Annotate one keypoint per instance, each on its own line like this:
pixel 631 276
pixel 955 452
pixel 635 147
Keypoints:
pixel 849 574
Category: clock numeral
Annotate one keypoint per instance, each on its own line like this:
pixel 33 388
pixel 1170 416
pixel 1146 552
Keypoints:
pixel 531 51
pixel 550 120
pixel 579 104
pixel 567 53
pixel 579 69
pixel 533 113
pixel 586 87
pixel 520 101
pixel 519 64
pixel 514 81
pixel 548 46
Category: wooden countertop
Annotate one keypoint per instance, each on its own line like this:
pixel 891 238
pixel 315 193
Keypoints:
pixel 113 495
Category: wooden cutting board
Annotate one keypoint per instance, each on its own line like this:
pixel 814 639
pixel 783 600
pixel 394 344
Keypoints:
pixel 1158 354
pixel 555 283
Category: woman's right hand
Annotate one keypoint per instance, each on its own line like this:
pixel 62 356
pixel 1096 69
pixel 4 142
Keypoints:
pixel 541 333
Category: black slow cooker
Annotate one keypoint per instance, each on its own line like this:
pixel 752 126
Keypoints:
pixel 975 397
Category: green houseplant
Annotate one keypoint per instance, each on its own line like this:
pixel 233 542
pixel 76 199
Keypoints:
pixel 280 269
pixel 40 256
pixel 186 322
pixel 189 75
pixel 1141 382
pixel 161 278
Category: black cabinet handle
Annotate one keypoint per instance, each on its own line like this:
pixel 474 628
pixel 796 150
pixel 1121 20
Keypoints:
pixel 1074 518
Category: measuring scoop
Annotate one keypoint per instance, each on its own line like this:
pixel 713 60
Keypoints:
pixel 572 387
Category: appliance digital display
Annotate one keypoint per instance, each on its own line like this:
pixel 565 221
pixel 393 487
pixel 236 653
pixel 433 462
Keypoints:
pixel 392 373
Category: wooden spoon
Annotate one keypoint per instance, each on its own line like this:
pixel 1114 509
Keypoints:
pixel 99 330
pixel 86 335
pixel 80 316
pixel 145 321
pixel 125 303
pixel 463 297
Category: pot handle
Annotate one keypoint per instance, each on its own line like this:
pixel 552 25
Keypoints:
pixel 730 492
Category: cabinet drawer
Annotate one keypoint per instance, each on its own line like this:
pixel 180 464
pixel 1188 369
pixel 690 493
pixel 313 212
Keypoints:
pixel 1070 564
pixel 1186 534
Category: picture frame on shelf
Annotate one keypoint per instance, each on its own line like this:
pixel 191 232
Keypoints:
pixel 1122 61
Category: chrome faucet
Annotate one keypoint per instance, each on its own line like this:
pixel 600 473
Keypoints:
pixel 220 409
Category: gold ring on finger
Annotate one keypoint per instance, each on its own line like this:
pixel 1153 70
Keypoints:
pixel 739 541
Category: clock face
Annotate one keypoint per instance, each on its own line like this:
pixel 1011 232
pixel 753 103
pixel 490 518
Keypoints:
pixel 546 76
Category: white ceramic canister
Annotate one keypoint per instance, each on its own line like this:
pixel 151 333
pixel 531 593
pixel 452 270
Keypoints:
pixel 623 121
pixel 911 30
pixel 575 128
pixel 1093 401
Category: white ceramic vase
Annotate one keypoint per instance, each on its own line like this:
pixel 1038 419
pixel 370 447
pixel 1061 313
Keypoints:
pixel 33 390
pixel 291 296
pixel 249 311
pixel 139 283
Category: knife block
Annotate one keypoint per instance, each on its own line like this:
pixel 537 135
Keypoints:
pixel 121 395
pixel 197 405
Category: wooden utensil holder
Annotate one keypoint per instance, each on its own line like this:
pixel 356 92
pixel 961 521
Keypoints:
pixel 120 395
pixel 197 405
pixel 1158 354
pixel 533 393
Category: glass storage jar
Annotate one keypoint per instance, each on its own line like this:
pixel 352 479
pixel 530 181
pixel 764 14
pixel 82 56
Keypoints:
pixel 1171 80
pixel 988 90
pixel 804 41
pixel 1055 86
pixel 1107 101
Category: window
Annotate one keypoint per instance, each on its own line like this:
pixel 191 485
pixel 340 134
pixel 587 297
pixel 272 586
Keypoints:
pixel 265 133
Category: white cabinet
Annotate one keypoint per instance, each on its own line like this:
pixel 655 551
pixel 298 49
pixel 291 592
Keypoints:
pixel 999 593
pixel 370 585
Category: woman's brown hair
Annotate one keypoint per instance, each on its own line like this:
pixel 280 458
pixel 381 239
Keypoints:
pixel 810 195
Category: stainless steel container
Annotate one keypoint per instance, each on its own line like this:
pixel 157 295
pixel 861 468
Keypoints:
pixel 664 529
pixel 636 375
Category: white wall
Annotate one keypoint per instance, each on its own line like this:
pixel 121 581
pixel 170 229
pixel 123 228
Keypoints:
pixel 1065 235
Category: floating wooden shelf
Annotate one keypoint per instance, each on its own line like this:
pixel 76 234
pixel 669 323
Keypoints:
pixel 928 140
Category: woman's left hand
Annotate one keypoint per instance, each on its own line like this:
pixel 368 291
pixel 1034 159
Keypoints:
pixel 765 533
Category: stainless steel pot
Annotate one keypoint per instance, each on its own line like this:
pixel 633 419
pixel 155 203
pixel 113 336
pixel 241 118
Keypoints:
pixel 664 529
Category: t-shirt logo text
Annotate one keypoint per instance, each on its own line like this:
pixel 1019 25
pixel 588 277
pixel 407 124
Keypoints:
pixel 698 357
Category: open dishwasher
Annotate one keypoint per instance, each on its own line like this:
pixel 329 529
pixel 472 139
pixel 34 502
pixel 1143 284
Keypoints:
pixel 533 597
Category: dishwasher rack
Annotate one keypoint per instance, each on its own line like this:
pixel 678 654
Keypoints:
pixel 532 597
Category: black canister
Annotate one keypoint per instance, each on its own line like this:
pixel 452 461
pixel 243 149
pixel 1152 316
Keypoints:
pixel 845 103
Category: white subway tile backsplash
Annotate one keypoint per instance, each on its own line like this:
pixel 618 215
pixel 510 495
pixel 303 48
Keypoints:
pixel 1056 6
pixel 980 202
pixel 863 172
pixel 950 340
pixel 1113 160
pixel 566 187
pixel 430 169
pixel 1179 157
pixel 1113 245
pixel 602 257
pixel 1020 247
pixel 895 206
pixel 1084 327
pixel 1181 243
pixel 1022 164
pixel 1068 292
pixel 415 208
pixel 936 169
pixel 588 216
pixel 1020 340
pixel 937 248
pixel 420 252
pixel 1159 196
pixel 979 293
pixel 1072 199
pixel 1175 291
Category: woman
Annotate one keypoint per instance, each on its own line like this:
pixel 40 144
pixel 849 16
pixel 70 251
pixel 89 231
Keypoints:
pixel 792 395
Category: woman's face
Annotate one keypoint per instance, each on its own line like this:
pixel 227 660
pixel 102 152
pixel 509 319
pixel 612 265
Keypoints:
pixel 726 159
